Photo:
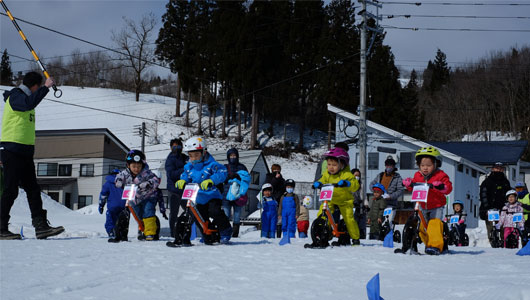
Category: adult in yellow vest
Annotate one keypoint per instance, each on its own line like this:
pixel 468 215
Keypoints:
pixel 18 144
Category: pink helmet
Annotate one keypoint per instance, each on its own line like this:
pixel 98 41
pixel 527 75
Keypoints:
pixel 338 153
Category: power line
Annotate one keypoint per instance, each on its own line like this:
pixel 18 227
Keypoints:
pixel 451 16
pixel 457 3
pixel 455 29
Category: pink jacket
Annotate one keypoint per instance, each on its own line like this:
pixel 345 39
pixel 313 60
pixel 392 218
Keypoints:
pixel 506 218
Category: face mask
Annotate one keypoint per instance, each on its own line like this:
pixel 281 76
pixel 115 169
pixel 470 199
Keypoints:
pixel 358 178
pixel 195 161
pixel 233 161
pixel 289 190
pixel 389 169
pixel 176 149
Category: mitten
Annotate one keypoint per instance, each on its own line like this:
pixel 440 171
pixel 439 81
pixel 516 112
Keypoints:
pixel 461 221
pixel 206 184
pixel 164 215
pixel 407 182
pixel 498 226
pixel 343 183
pixel 100 208
pixel 317 184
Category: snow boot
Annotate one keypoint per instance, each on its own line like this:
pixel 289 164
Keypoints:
pixel 279 230
pixel 286 239
pixel 8 235
pixel 432 251
pixel 264 234
pixel 236 230
pixel 302 235
pixel 355 242
pixel 43 228
pixel 226 234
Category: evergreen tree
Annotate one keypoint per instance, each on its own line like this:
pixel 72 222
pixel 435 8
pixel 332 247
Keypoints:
pixel 6 74
pixel 413 123
pixel 437 73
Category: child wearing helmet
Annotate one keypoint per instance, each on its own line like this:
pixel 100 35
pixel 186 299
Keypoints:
pixel 269 215
pixel 288 210
pixel 377 207
pixel 208 173
pixel 138 173
pixel 511 207
pixel 338 172
pixel 428 160
pixel 303 218
pixel 458 209
pixel 111 196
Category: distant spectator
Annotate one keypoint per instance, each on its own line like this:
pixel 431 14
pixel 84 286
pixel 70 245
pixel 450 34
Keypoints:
pixel 278 188
pixel 524 198
pixel 360 204
pixel 391 180
pixel 493 194
pixel 234 167
pixel 175 162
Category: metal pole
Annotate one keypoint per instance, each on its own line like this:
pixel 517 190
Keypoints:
pixel 58 93
pixel 362 105
pixel 143 137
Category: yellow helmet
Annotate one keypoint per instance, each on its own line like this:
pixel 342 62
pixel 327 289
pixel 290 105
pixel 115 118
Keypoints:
pixel 429 151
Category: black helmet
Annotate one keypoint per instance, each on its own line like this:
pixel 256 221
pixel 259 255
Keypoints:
pixel 135 156
pixel 290 182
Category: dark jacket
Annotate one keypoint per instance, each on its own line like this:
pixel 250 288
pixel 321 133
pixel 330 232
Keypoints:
pixel 394 189
pixel 19 101
pixel 493 193
pixel 278 185
pixel 232 169
pixel 174 167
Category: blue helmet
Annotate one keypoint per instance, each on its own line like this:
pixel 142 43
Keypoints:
pixel 379 186
pixel 458 202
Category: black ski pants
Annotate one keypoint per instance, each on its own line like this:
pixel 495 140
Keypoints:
pixel 174 204
pixel 19 171
pixel 213 209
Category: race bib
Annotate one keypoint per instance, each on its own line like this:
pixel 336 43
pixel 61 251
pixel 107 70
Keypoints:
pixel 517 217
pixel 493 215
pixel 190 192
pixel 454 219
pixel 129 192
pixel 419 193
pixel 387 211
pixel 326 193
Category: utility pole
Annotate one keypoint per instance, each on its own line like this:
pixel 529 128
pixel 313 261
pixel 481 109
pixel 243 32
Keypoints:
pixel 362 105
pixel 363 109
pixel 142 131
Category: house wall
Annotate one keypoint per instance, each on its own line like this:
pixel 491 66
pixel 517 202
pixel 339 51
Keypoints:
pixel 465 186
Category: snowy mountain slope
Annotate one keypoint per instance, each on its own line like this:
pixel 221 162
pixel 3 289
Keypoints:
pixel 120 113
pixel 80 264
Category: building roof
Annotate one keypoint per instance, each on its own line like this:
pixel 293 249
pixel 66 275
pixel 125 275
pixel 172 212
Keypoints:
pixel 246 157
pixel 486 153
pixel 89 131
pixel 398 135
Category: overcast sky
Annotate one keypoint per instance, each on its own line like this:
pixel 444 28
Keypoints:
pixel 94 20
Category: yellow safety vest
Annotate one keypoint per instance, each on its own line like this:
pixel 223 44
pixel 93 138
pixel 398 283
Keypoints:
pixel 18 126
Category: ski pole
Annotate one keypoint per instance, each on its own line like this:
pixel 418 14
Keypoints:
pixel 57 92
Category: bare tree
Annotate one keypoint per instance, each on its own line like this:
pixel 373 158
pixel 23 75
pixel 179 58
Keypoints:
pixel 134 40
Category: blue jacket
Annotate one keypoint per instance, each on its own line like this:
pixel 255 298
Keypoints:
pixel 111 194
pixel 199 172
pixel 174 168
pixel 232 169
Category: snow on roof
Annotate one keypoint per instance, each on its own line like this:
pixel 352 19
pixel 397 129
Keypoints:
pixel 402 136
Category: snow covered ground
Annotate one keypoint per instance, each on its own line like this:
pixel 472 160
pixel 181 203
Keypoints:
pixel 80 264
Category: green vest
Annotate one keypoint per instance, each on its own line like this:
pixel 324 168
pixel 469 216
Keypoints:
pixel 18 126
pixel 525 200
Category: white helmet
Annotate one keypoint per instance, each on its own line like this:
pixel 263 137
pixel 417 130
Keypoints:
pixel 511 192
pixel 194 143
pixel 307 201
pixel 266 186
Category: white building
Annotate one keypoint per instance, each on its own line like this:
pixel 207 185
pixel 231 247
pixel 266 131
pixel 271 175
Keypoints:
pixel 383 142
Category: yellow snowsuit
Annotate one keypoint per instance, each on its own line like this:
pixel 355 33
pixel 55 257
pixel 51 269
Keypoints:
pixel 343 198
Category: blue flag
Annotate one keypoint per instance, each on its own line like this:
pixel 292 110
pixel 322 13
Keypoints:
pixel 372 288
pixel 22 232
pixel 525 250
pixel 193 234
pixel 389 240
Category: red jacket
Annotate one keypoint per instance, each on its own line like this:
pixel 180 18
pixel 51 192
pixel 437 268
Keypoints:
pixel 435 198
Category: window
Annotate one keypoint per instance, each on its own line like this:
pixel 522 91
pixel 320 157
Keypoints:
pixel 255 177
pixel 65 170
pixel 407 160
pixel 373 161
pixel 467 170
pixel 474 173
pixel 84 201
pixel 46 169
pixel 460 168
pixel 87 170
